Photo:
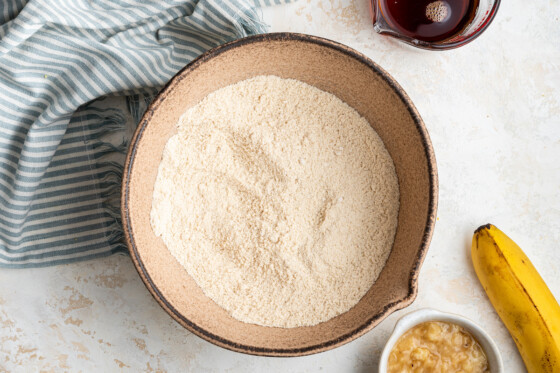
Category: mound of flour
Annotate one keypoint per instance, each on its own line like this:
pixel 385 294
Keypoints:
pixel 279 200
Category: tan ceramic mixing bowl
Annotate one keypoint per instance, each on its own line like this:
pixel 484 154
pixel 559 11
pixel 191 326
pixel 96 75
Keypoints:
pixel 331 67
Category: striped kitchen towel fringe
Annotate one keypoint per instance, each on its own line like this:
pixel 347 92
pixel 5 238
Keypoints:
pixel 75 77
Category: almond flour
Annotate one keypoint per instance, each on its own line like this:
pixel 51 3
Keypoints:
pixel 279 200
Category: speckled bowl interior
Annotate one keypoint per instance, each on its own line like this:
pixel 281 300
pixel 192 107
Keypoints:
pixel 356 80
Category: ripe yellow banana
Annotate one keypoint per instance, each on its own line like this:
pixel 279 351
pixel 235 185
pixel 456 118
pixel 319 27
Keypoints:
pixel 521 298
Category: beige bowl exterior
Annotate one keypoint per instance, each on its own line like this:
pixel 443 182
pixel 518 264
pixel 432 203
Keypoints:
pixel 331 67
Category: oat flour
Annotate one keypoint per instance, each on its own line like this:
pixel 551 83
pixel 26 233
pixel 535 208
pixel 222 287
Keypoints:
pixel 279 200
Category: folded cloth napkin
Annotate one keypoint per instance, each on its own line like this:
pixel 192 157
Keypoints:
pixel 75 77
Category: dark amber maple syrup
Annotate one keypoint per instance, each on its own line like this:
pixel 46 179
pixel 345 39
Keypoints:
pixel 429 20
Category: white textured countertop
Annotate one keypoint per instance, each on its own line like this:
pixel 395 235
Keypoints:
pixel 493 112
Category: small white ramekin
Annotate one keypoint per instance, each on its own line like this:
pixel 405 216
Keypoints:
pixel 426 314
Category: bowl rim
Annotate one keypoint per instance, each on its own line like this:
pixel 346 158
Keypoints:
pixel 410 320
pixel 428 229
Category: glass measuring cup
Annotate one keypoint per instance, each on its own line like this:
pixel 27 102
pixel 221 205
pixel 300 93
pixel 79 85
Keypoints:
pixel 384 23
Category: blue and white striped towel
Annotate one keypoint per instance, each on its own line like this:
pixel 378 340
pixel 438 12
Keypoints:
pixel 75 76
